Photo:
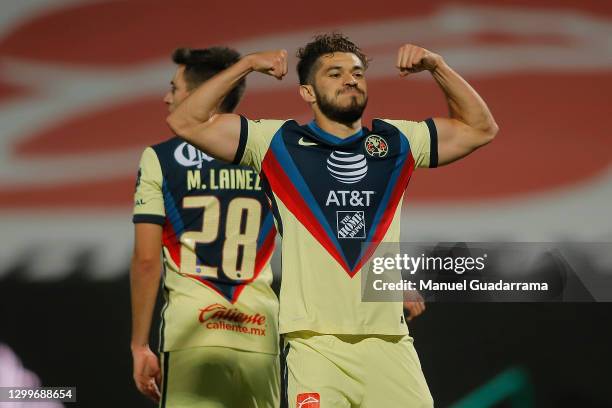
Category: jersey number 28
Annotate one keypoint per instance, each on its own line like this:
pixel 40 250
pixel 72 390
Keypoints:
pixel 241 212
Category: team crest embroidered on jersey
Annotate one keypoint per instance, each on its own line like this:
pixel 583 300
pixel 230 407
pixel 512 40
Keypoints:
pixel 376 146
pixel 308 400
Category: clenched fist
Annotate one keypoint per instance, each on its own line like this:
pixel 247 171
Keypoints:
pixel 412 59
pixel 272 63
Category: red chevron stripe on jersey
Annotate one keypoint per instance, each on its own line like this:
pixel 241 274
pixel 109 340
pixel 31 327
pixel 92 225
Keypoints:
pixel 170 241
pixel 282 185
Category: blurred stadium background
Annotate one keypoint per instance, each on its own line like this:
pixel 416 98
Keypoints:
pixel 81 87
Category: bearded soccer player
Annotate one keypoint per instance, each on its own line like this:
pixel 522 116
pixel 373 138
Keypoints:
pixel 339 350
pixel 212 223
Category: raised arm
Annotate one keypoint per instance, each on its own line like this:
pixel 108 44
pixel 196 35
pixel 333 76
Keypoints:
pixel 470 124
pixel 218 134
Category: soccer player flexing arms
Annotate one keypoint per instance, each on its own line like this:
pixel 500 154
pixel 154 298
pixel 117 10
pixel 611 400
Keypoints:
pixel 335 185
pixel 211 221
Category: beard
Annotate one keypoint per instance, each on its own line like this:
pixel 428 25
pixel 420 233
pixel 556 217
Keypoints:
pixel 346 115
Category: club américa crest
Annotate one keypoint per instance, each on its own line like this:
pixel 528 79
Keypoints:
pixel 376 146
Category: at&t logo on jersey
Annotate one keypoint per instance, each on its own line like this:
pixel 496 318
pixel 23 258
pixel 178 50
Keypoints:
pixel 308 400
pixel 347 168
pixel 352 198
pixel 188 156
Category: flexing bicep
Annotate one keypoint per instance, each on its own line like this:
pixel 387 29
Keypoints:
pixel 457 140
pixel 218 137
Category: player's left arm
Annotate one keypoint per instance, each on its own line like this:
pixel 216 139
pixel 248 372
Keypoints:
pixel 145 270
pixel 144 284
pixel 470 124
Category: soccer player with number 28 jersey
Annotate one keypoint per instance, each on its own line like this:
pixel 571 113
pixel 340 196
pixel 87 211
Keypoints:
pixel 219 333
pixel 336 190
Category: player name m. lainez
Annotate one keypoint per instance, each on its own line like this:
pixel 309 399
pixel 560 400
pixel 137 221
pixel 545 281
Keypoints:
pixel 474 284
pixel 224 179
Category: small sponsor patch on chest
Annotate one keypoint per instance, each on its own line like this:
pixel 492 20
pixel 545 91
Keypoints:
pixel 351 224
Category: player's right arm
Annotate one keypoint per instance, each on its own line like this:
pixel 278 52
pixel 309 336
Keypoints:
pixel 219 134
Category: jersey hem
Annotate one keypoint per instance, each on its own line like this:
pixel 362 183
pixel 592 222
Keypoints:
pixel 215 344
pixel 343 330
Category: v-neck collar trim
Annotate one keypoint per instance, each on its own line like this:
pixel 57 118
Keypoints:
pixel 333 139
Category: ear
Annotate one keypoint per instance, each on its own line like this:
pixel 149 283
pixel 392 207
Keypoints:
pixel 307 93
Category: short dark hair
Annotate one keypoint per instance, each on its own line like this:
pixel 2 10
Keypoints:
pixel 324 44
pixel 203 64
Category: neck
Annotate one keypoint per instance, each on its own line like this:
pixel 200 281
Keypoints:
pixel 342 130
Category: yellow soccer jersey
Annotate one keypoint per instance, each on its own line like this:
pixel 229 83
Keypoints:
pixel 329 196
pixel 218 237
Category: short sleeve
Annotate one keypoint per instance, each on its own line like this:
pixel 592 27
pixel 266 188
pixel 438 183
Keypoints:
pixel 423 140
pixel 255 139
pixel 149 198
